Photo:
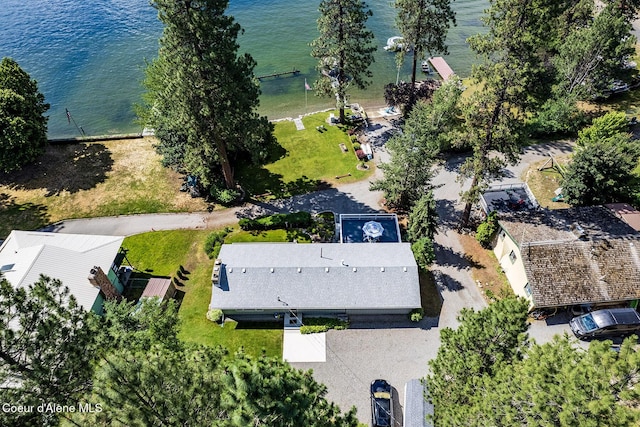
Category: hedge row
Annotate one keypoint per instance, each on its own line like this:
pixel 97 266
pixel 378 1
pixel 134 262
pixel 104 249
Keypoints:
pixel 277 221
pixel 314 325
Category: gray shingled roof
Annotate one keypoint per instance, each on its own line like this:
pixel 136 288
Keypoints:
pixel 598 263
pixel 317 276
pixel 545 225
pixel 578 272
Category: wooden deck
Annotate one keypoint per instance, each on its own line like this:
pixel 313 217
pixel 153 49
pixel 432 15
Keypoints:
pixel 441 67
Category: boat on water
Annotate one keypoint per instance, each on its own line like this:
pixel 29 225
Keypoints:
pixel 394 44
pixel 426 68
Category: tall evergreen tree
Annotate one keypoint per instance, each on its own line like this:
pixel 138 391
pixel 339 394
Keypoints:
pixel 423 218
pixel 23 126
pixel 591 56
pixel 202 95
pixel 483 341
pixel 47 350
pixel 344 49
pixel 427 131
pixel 561 384
pixel 424 25
pixel 150 378
pixel 510 70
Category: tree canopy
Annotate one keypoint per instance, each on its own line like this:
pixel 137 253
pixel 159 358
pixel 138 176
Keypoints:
pixel 424 25
pixel 344 49
pixel 486 373
pixel 602 172
pixel 23 126
pixel 428 129
pixel 46 349
pixel 509 77
pixel 148 377
pixel 201 95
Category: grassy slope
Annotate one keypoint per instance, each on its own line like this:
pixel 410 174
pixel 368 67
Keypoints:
pixel 125 177
pixel 307 158
pixel 161 253
pixel 90 180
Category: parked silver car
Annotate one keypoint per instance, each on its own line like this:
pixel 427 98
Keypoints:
pixel 606 323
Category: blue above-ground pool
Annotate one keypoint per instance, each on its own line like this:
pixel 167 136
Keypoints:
pixel 352 229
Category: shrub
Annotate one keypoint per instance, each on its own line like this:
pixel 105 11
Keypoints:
pixel 361 155
pixel 416 315
pixel 423 252
pixel 213 242
pixel 356 146
pixel 313 325
pixel 215 315
pixel 227 196
pixel 314 329
pixel 486 230
pixel 273 222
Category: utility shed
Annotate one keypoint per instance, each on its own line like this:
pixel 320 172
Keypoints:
pixel 160 288
pixel 319 278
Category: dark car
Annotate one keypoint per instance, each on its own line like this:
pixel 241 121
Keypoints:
pixel 381 403
pixel 606 323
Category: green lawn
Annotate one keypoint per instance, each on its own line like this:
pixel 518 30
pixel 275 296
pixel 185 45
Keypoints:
pixel 304 160
pixel 88 180
pixel 161 253
pixel 266 236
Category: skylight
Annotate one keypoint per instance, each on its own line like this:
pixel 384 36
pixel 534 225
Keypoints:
pixel 6 267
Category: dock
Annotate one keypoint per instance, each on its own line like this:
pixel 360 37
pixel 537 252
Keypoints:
pixel 284 73
pixel 441 67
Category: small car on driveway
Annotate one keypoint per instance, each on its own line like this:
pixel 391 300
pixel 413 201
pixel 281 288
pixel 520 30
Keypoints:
pixel 381 404
pixel 606 323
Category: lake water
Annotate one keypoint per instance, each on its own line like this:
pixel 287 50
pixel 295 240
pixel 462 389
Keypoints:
pixel 89 57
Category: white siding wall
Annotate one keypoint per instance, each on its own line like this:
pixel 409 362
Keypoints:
pixel 513 269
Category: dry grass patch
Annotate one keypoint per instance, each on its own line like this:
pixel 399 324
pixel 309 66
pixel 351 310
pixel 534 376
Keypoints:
pixel 91 179
pixel 543 183
pixel 485 269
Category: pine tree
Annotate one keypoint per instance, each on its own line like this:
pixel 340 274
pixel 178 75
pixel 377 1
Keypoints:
pixel 202 95
pixel 494 116
pixel 47 349
pixel 424 25
pixel 23 126
pixel 483 341
pixel 429 128
pixel 148 377
pixel 344 49
pixel 423 218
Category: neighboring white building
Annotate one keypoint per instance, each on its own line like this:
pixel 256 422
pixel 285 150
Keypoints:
pixel 86 264
pixel 562 257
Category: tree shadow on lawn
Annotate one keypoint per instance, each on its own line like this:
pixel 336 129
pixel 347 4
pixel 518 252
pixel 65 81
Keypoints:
pixel 69 167
pixel 331 199
pixel 264 185
pixel 23 216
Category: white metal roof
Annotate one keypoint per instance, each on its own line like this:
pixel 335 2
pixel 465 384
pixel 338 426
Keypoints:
pixel 67 257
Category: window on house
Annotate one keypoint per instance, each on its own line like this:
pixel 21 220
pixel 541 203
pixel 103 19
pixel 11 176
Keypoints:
pixel 527 289
pixel 512 257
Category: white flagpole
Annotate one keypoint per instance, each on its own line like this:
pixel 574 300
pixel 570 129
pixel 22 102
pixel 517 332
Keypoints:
pixel 306 105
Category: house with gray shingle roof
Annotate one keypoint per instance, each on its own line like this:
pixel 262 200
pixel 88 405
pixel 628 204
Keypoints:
pixel 572 256
pixel 263 279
